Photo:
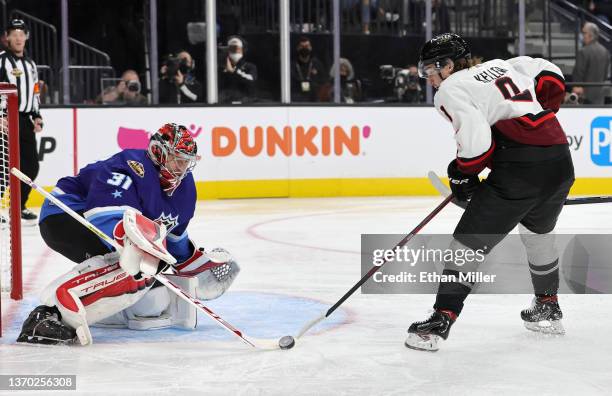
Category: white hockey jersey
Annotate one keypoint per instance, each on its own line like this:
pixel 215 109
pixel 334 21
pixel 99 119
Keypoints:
pixel 517 97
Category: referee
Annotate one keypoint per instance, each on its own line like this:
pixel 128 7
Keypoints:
pixel 16 68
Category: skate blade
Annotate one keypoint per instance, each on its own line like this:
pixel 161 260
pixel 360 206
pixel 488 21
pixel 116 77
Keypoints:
pixel 422 342
pixel 554 327
pixel 29 223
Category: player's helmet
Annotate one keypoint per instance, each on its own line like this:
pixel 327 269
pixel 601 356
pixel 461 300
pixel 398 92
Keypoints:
pixel 175 152
pixel 436 53
pixel 17 24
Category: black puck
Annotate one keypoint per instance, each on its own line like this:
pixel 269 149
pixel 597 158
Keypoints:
pixel 286 342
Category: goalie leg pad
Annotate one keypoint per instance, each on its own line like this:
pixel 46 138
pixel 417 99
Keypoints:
pixel 158 309
pixel 93 290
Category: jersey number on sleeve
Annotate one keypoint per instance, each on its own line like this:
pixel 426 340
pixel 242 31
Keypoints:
pixel 119 179
pixel 503 83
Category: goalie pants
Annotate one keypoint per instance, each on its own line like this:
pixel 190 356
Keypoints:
pixel 531 193
pixel 70 238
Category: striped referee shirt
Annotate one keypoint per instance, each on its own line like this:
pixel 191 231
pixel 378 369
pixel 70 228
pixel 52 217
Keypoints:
pixel 22 73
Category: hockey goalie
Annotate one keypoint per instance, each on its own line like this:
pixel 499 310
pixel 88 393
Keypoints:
pixel 145 200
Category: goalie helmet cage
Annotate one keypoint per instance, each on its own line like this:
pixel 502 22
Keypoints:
pixel 10 196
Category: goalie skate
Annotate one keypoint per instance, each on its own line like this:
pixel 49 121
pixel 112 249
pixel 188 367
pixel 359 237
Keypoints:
pixel 544 316
pixel 43 326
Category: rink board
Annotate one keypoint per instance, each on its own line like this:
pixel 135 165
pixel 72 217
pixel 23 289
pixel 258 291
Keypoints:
pixel 254 152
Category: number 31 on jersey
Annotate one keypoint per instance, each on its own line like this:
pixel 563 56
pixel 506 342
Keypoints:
pixel 119 179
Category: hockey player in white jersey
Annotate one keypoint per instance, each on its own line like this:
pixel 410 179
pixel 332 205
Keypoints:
pixel 503 115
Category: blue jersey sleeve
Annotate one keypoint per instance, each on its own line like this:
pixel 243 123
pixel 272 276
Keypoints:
pixel 179 246
pixel 110 194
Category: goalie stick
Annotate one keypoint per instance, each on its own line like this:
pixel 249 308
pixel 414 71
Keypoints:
pixel 375 268
pixel 258 344
pixel 445 192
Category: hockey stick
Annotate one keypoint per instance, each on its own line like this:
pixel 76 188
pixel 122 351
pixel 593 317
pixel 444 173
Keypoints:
pixel 445 192
pixel 259 344
pixel 375 268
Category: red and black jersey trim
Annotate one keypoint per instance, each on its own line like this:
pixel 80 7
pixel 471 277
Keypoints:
pixel 535 120
pixel 476 164
pixel 550 90
pixel 548 76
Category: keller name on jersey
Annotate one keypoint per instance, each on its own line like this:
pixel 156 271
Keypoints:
pixel 491 74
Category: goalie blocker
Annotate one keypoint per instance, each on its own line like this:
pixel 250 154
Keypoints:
pixel 117 290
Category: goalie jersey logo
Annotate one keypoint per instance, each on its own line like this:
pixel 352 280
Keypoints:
pixel 168 220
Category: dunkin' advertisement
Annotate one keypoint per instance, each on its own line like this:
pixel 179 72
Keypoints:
pixel 279 144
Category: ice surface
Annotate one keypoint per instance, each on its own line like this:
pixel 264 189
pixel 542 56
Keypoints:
pixel 298 256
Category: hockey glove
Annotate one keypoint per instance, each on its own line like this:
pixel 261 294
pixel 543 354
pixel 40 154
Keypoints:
pixel 462 185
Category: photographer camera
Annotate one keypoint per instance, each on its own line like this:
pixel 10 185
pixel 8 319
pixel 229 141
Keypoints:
pixel 177 83
pixel 238 77
pixel 405 83
pixel 126 92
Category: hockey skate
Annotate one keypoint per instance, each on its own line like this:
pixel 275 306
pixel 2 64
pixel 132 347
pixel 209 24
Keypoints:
pixel 425 335
pixel 544 316
pixel 43 326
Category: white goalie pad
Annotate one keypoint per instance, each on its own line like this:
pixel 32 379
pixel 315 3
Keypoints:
pixel 95 289
pixel 158 309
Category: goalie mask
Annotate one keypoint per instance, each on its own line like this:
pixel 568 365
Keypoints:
pixel 439 51
pixel 174 151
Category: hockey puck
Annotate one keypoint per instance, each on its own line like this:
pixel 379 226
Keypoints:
pixel 286 342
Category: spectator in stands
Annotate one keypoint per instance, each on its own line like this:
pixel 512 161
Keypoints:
pixel 307 74
pixel 602 9
pixel 178 83
pixel 592 65
pixel 350 87
pixel 238 77
pixel 126 92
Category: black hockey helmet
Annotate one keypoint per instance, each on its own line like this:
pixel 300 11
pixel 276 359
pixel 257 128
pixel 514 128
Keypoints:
pixel 437 51
pixel 17 24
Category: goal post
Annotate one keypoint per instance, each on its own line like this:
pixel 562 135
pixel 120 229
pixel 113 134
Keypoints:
pixel 10 194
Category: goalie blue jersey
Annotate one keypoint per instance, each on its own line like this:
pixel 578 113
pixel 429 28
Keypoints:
pixel 102 191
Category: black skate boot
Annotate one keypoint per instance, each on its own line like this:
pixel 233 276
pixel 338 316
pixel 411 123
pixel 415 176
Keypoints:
pixel 424 336
pixel 43 326
pixel 544 316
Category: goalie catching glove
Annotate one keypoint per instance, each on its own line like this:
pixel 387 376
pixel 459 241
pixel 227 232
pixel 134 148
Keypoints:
pixel 215 270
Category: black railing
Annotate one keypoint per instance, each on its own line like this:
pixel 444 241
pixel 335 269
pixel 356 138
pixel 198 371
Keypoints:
pixel 576 16
pixel 472 18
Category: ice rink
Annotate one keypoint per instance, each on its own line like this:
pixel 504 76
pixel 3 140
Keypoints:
pixel 298 256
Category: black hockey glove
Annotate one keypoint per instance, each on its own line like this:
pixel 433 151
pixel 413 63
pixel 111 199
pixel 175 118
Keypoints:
pixel 462 185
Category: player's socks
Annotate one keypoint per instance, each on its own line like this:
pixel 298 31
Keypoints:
pixel 425 335
pixel 43 326
pixel 544 315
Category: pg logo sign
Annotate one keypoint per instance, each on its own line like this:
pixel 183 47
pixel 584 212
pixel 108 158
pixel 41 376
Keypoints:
pixel 601 141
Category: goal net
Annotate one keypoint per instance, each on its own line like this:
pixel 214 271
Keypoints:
pixel 10 206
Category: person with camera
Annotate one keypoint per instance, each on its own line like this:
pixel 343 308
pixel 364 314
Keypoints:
pixel 238 77
pixel 18 69
pixel 126 92
pixel 410 89
pixel 405 84
pixel 307 74
pixel 350 86
pixel 178 83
